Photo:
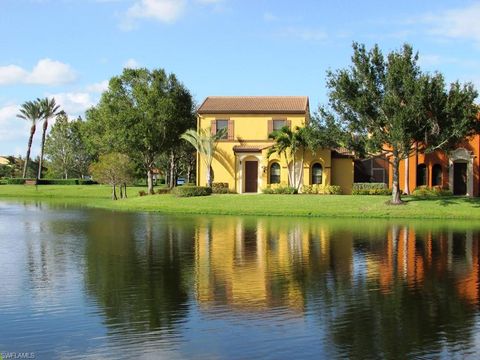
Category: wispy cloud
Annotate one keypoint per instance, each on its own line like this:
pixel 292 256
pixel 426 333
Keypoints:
pixel 302 33
pixel 459 23
pixel 131 64
pixel 163 11
pixel 45 72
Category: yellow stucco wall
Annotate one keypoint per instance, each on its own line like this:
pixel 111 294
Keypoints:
pixel 342 174
pixel 252 131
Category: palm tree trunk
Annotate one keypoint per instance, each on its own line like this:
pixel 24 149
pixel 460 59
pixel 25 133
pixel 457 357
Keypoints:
pixel 44 134
pixel 29 148
pixel 150 182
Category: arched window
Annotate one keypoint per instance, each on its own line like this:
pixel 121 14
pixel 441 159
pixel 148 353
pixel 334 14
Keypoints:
pixel 275 173
pixel 437 175
pixel 317 172
pixel 421 175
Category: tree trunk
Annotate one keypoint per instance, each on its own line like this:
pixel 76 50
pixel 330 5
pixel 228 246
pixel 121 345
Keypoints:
pixel 44 134
pixel 121 191
pixel 209 175
pixel 29 148
pixel 395 187
pixel 125 190
pixel 150 182
pixel 407 176
pixel 114 192
pixel 172 169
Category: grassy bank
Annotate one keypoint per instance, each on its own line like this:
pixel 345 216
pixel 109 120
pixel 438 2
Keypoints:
pixel 277 205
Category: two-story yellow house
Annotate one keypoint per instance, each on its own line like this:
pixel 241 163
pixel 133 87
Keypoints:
pixel 241 159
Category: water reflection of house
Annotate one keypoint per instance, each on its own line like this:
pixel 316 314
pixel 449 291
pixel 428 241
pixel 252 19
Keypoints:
pixel 409 256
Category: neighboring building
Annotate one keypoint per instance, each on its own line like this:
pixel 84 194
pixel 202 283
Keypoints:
pixel 4 160
pixel 241 158
pixel 457 170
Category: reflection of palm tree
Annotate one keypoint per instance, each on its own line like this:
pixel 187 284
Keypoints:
pixel 31 112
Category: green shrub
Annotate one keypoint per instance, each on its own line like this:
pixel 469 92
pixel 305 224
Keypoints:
pixel 3 182
pixel 322 189
pixel 220 188
pixel 426 192
pixel 16 181
pixel 142 193
pixel 188 191
pixel 279 189
pixel 163 191
pixel 371 189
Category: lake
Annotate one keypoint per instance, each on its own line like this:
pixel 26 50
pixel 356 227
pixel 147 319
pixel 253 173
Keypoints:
pixel 81 283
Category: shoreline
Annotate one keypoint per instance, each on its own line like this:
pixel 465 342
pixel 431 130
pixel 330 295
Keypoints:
pixel 306 206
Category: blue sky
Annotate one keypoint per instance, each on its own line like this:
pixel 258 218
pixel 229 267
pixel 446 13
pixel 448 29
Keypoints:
pixel 70 48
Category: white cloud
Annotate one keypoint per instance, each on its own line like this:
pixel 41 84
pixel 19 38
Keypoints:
pixel 11 127
pixel 12 74
pixel 269 17
pixel 165 11
pixel 45 72
pixel 97 87
pixel 460 23
pixel 131 64
pixel 74 103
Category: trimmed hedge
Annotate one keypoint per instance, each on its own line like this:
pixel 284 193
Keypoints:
pixel 426 192
pixel 322 189
pixel 189 191
pixel 371 189
pixel 220 188
pixel 16 181
pixel 19 181
pixel 280 189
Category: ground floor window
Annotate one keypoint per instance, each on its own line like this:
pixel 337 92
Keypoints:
pixel 317 172
pixel 437 175
pixel 421 175
pixel 275 173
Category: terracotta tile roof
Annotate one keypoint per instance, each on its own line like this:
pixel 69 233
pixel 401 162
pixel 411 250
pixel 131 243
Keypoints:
pixel 254 104
pixel 342 152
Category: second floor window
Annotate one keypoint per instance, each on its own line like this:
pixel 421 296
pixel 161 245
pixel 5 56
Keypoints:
pixel 278 124
pixel 222 124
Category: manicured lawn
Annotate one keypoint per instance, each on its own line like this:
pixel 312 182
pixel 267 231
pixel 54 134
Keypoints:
pixel 278 205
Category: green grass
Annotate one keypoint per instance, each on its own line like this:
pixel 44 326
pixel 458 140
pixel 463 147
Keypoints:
pixel 274 205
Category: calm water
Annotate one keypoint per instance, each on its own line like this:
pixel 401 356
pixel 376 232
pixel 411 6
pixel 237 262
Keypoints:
pixel 78 283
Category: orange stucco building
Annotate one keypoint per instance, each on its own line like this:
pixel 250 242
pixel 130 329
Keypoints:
pixel 457 170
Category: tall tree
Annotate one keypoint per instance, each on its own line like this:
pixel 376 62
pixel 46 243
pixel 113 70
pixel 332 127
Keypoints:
pixel 65 149
pixel 30 111
pixel 206 145
pixel 49 110
pixel 387 102
pixel 142 114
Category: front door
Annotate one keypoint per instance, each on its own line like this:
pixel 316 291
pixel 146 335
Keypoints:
pixel 459 178
pixel 251 176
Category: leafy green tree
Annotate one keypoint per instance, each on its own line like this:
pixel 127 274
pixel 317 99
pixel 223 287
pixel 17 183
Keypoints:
pixel 65 150
pixel 49 109
pixel 30 111
pixel 142 114
pixel 389 104
pixel 113 169
pixel 206 145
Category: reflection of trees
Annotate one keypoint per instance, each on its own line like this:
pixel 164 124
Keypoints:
pixel 137 269
pixel 383 290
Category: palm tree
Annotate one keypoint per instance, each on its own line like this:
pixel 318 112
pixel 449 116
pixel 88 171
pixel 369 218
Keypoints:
pixel 49 110
pixel 288 143
pixel 30 111
pixel 206 145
